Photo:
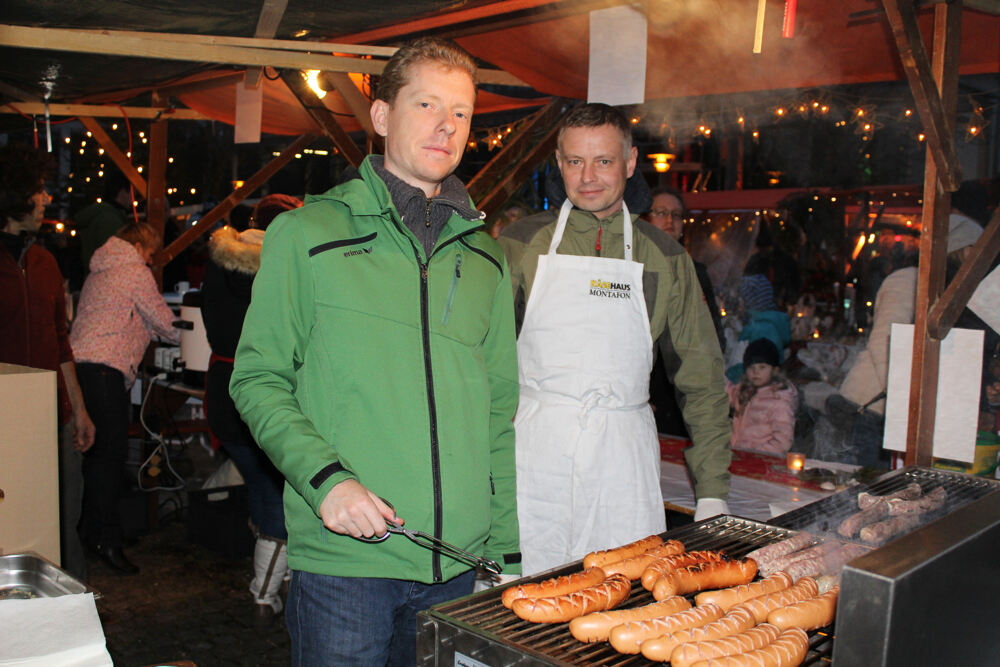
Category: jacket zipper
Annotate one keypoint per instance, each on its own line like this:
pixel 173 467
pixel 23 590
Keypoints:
pixel 454 288
pixel 431 410
pixel 597 246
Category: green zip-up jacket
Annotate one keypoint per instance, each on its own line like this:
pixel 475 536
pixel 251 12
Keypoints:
pixel 362 358
pixel 677 310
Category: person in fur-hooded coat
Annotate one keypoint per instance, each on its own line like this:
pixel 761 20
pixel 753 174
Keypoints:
pixel 234 258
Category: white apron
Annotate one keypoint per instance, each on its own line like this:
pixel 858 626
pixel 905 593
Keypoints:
pixel 588 458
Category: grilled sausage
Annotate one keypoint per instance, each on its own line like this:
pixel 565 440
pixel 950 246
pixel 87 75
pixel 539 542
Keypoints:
pixel 659 567
pixel 911 491
pixel 702 576
pixel 788 650
pixel 878 533
pixel 634 567
pixel 751 640
pixel 932 501
pixel 599 558
pixel 597 627
pixel 761 606
pixel 811 614
pixel 627 638
pixel 564 585
pixel 561 608
pixel 733 623
pixel 777 549
pixel 850 526
pixel 730 597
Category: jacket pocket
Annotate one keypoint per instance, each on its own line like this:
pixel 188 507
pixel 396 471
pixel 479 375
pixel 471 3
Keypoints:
pixel 332 245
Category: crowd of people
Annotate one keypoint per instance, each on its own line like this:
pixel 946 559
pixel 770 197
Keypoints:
pixel 379 358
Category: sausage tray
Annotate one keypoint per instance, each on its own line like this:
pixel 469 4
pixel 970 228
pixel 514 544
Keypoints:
pixel 884 593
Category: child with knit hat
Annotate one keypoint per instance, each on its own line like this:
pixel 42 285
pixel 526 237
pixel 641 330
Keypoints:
pixel 763 401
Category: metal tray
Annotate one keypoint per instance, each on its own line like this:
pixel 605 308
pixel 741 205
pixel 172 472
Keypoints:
pixel 29 575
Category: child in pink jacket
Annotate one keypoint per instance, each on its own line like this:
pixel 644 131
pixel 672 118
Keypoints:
pixel 764 402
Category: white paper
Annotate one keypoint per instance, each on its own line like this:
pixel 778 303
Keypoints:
pixel 249 109
pixel 959 383
pixel 617 56
pixel 63 631
pixel 985 299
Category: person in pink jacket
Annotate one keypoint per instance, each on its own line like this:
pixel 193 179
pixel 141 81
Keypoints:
pixel 120 310
pixel 764 402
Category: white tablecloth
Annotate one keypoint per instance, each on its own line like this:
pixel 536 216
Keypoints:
pixel 748 498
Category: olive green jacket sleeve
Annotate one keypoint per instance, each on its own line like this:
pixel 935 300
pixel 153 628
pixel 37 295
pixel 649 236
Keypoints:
pixel 690 351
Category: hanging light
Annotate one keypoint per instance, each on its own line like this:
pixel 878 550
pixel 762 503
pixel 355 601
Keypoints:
pixel 312 80
pixel 661 161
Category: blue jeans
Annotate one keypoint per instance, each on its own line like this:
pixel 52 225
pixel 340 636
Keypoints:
pixel 264 487
pixel 360 621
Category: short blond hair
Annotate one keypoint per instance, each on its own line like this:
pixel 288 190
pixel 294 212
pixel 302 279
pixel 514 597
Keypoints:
pixel 425 49
pixel 141 233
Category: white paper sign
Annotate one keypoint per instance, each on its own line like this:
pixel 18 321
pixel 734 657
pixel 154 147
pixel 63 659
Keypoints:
pixel 249 108
pixel 617 56
pixel 985 299
pixel 959 383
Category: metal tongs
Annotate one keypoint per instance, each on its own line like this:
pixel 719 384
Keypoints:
pixel 430 542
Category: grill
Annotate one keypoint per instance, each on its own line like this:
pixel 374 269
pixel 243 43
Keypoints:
pixel 478 630
pixel 887 614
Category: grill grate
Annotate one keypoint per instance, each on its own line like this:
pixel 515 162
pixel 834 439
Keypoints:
pixel 483 615
pixel 823 516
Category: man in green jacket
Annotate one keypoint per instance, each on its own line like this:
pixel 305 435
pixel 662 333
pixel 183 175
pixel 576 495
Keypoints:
pixel 598 286
pixel 377 369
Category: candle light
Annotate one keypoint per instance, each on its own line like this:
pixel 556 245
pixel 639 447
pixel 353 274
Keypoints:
pixel 795 461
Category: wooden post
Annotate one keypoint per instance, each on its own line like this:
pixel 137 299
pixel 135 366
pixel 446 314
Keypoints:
pixel 939 181
pixel 156 190
pixel 323 116
pixel 122 161
pixel 230 202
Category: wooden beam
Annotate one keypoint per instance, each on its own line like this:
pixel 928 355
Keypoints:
pixel 933 243
pixel 207 49
pixel 102 111
pixel 157 205
pixel 927 97
pixel 230 202
pixel 324 117
pixel 484 17
pixel 956 296
pixel 492 201
pixel 122 161
pixel 546 117
pixel 267 27
pixel 18 94
pixel 357 102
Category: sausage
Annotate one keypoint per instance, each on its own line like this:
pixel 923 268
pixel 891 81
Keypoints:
pixel 561 608
pixel 634 567
pixel 663 565
pixel 850 526
pixel 782 563
pixel 564 585
pixel 733 623
pixel 911 491
pixel 730 597
pixel 627 638
pixel 777 549
pixel 829 563
pixel 702 576
pixel 599 558
pixel 761 606
pixel 597 627
pixel 754 638
pixel 880 532
pixel 811 614
pixel 788 650
pixel 932 501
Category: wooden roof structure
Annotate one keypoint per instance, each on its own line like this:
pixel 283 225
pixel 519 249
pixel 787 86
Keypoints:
pixel 537 52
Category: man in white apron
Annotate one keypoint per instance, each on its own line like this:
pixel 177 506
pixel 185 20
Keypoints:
pixel 587 451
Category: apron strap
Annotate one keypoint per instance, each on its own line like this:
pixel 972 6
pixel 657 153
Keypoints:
pixel 567 206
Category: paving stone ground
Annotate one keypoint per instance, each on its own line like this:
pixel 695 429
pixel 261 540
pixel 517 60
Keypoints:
pixel 187 603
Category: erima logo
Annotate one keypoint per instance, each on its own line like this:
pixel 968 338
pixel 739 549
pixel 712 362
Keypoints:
pixel 363 251
pixel 610 290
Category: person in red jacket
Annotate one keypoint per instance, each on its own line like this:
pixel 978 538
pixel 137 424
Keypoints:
pixel 34 328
